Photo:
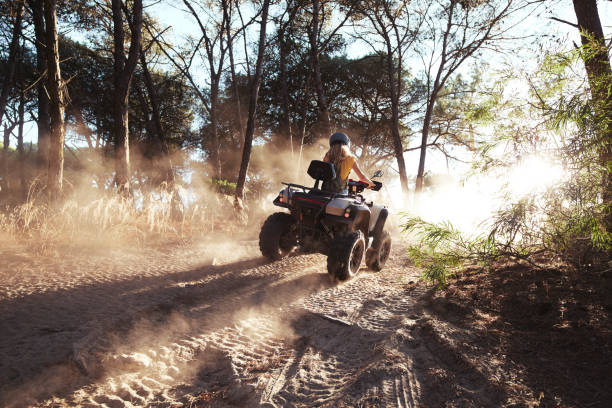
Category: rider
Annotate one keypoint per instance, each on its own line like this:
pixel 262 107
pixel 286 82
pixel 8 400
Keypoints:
pixel 339 154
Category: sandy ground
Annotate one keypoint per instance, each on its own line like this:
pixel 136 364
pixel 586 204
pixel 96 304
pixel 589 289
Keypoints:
pixel 216 325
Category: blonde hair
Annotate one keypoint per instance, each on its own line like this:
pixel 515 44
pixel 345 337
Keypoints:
pixel 337 153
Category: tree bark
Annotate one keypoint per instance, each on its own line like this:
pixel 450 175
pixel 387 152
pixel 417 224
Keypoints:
pixel 324 126
pixel 286 119
pixel 591 34
pixel 230 50
pixel 302 135
pixel 423 148
pixel 21 121
pixel 9 79
pixel 43 119
pixel 599 73
pixel 214 124
pixel 244 43
pixel 123 72
pixel 162 143
pixel 255 83
pixel 20 149
pixel 392 23
pixel 56 90
pixel 395 90
pixel 433 94
pixel 155 115
pixel 4 165
pixel 215 79
pixel 460 39
pixel 82 127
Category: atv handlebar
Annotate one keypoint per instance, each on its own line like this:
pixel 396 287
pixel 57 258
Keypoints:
pixel 355 186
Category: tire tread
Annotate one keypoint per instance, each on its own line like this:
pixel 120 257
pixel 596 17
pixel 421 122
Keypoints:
pixel 339 254
pixel 271 231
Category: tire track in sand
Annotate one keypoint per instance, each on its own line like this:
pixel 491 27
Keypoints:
pixel 229 325
pixel 354 358
pixel 278 334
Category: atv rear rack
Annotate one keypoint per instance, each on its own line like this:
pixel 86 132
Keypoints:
pixel 297 186
pixel 331 194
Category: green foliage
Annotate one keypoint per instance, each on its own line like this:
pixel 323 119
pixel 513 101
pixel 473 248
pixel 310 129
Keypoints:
pixel 441 249
pixel 223 186
pixel 562 119
pixel 10 148
pixel 565 222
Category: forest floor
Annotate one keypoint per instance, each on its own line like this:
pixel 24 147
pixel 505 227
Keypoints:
pixel 215 325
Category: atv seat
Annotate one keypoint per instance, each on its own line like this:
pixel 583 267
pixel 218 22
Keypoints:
pixel 321 171
pixel 321 193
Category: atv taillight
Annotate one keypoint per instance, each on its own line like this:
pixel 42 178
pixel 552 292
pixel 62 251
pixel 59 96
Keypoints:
pixel 282 199
pixel 347 213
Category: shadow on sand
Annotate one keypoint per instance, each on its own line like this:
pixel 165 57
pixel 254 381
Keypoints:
pixel 39 332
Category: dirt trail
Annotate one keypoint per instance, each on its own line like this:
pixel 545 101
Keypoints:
pixel 183 329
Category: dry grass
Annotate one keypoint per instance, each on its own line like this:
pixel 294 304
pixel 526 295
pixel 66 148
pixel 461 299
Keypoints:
pixel 94 220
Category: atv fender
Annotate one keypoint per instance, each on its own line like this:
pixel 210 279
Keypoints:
pixel 277 202
pixel 378 228
pixel 360 214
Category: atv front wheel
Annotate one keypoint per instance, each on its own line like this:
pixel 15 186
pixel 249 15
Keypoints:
pixel 378 253
pixel 276 239
pixel 345 255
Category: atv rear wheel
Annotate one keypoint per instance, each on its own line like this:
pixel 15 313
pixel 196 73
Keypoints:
pixel 276 238
pixel 345 255
pixel 378 253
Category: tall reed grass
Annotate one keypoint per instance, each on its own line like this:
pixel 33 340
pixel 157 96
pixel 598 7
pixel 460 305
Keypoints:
pixel 107 219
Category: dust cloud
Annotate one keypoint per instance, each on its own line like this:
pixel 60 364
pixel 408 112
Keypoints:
pixel 147 289
pixel 470 203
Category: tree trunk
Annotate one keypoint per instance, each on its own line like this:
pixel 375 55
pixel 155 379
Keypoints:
pixel 599 73
pixel 4 166
pixel 215 79
pixel 123 72
pixel 148 122
pixel 303 113
pixel 244 42
pixel 162 144
pixel 82 127
pixel 286 121
pixel 21 121
pixel 398 147
pixel 423 149
pixel 395 90
pixel 230 50
pixel 214 124
pixel 324 126
pixel 155 115
pixel 591 34
pixel 9 79
pixel 98 132
pixel 20 149
pixel 256 81
pixel 55 89
pixel 43 119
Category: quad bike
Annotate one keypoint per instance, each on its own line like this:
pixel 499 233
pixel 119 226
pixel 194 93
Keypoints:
pixel 345 227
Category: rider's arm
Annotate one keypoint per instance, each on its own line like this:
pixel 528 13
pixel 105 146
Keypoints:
pixel 362 177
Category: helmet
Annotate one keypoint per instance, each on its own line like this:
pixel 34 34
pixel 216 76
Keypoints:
pixel 339 137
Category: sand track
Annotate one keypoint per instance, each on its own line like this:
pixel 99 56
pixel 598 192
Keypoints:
pixel 181 329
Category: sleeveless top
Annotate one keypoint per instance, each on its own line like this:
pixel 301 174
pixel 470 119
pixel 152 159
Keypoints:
pixel 338 184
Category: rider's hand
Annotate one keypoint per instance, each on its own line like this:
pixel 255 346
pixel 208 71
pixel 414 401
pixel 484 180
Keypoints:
pixel 369 183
